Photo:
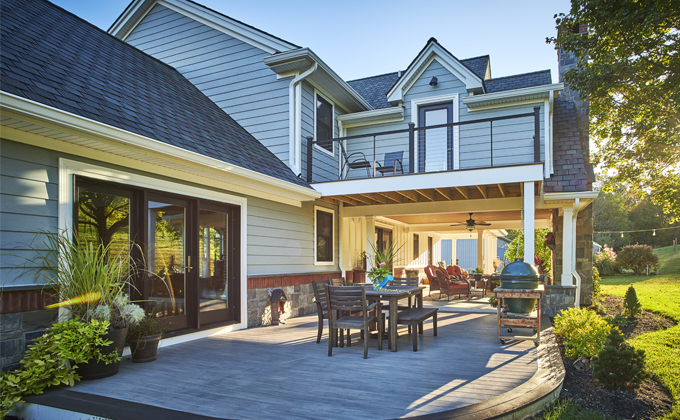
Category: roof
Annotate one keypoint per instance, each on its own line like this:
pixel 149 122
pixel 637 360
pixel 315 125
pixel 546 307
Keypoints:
pixel 568 162
pixel 53 57
pixel 518 81
pixel 374 89
pixel 477 65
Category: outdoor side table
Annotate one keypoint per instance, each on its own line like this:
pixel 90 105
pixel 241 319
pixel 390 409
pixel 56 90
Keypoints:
pixel 510 320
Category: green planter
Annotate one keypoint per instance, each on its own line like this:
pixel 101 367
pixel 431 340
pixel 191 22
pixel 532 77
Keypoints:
pixel 519 275
pixel 98 370
pixel 144 349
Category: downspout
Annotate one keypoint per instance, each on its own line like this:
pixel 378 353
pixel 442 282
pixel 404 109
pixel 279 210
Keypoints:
pixel 341 234
pixel 293 120
pixel 577 298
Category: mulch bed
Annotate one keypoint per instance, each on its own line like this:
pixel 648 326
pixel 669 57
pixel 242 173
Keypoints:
pixel 650 401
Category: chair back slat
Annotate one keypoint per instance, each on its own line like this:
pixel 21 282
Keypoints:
pixel 346 298
pixel 391 157
pixel 337 282
pixel 406 281
pixel 320 293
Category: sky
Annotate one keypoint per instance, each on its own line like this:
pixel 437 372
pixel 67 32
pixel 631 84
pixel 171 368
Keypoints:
pixel 361 38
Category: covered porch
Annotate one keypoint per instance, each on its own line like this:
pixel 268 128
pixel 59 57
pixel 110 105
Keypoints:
pixel 281 371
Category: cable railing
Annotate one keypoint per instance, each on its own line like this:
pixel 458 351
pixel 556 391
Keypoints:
pixel 482 143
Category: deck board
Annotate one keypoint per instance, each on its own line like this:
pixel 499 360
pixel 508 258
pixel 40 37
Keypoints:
pixel 282 372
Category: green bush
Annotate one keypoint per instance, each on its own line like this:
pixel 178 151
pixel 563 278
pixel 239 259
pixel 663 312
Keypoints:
pixel 631 304
pixel 583 331
pixel 51 360
pixel 636 258
pixel 597 290
pixel 605 262
pixel 618 365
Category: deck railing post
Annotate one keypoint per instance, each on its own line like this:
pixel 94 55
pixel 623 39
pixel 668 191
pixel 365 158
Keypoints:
pixel 411 146
pixel 309 158
pixel 537 134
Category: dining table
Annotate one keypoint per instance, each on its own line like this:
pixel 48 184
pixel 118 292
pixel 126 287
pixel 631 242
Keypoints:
pixel 393 295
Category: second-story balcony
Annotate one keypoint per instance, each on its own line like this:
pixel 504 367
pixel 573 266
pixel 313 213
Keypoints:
pixel 499 150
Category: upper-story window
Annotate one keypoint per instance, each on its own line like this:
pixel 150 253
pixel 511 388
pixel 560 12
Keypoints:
pixel 324 123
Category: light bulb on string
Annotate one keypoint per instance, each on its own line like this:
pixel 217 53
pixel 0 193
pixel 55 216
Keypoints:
pixel 654 234
pixel 622 234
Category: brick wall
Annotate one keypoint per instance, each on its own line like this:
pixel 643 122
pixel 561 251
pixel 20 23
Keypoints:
pixel 23 318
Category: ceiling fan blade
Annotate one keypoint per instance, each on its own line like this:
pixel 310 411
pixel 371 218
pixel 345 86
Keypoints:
pixel 483 224
pixel 459 224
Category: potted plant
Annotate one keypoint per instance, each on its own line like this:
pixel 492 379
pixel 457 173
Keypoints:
pixel 362 258
pixel 478 273
pixel 381 272
pixel 144 338
pixel 92 283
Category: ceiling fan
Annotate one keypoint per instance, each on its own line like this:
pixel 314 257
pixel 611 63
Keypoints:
pixel 471 223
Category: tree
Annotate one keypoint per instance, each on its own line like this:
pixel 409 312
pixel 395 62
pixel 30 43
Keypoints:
pixel 629 70
pixel 541 250
pixel 610 214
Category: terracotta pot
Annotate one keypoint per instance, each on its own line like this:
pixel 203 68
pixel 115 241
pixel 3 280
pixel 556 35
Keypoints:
pixel 144 349
pixel 98 370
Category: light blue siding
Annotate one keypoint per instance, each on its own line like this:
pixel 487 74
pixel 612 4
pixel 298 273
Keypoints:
pixel 229 71
pixel 324 166
pixel 466 253
pixel 446 251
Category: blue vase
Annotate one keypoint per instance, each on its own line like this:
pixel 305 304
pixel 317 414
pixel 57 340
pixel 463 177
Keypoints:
pixel 380 284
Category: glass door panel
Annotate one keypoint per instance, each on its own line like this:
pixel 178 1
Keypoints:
pixel 213 267
pixel 435 144
pixel 104 217
pixel 165 289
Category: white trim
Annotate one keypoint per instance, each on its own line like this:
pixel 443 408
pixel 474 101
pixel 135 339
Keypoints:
pixel 507 97
pixel 123 140
pixel 375 116
pixel 333 240
pixel 295 120
pixel 448 179
pixel 434 100
pixel 68 168
pixel 327 99
pixel 424 59
pixel 225 24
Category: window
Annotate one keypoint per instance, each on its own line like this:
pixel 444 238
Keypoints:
pixel 416 246
pixel 324 123
pixel 324 235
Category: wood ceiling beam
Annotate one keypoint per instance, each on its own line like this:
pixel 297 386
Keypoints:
pixel 392 196
pixel 464 191
pixel 502 189
pixel 345 199
pixel 482 189
pixel 329 200
pixel 429 194
pixel 376 197
pixel 444 193
pixel 410 195
pixel 361 199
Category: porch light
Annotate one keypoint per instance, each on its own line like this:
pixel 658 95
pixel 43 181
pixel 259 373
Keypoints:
pixel 470 228
pixel 433 82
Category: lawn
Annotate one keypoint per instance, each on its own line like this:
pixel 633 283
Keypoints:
pixel 659 294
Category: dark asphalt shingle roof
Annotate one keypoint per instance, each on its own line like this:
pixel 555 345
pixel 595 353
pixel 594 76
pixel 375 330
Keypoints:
pixel 568 162
pixel 53 57
pixel 375 88
pixel 518 81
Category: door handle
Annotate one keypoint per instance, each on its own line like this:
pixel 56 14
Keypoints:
pixel 188 267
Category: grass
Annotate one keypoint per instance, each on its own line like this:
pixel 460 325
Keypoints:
pixel 567 410
pixel 659 294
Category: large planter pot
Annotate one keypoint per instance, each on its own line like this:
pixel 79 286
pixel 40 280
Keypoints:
pixel 144 349
pixel 98 370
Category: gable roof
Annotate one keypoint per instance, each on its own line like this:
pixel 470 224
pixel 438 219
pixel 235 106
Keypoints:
pixel 53 57
pixel 518 81
pixel 478 65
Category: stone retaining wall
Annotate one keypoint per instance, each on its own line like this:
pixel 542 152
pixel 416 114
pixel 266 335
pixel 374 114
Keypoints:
pixel 557 299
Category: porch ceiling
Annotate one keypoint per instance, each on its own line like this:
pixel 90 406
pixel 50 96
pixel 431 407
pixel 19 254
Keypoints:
pixel 425 195
pixel 441 222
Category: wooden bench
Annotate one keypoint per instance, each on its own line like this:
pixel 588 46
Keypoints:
pixel 414 316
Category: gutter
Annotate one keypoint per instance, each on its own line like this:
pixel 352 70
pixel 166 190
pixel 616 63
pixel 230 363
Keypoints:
pixel 531 93
pixel 577 298
pixel 294 117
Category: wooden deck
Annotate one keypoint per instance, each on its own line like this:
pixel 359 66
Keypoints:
pixel 281 372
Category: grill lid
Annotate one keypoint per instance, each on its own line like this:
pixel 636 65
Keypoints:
pixel 519 270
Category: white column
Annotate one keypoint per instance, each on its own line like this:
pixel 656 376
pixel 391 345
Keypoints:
pixel 370 235
pixel 529 218
pixel 567 246
pixel 453 251
pixel 480 249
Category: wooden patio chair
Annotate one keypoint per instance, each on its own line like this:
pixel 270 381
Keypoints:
pixel 454 285
pixel 406 281
pixel 337 282
pixel 349 300
pixel 432 278
pixel 392 163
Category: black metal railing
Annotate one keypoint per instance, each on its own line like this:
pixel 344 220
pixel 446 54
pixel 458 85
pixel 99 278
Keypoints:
pixel 357 159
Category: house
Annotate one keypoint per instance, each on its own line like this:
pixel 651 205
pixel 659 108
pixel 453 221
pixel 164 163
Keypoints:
pixel 224 151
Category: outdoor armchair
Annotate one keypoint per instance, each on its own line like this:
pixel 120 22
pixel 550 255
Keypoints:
pixel 454 285
pixel 392 163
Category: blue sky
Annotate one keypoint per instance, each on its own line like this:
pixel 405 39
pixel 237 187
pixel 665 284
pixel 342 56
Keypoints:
pixel 360 38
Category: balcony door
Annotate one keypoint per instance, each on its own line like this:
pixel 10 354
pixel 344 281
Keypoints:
pixel 435 146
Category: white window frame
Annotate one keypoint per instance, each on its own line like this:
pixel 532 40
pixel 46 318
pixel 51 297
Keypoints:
pixel 327 99
pixel 435 100
pixel 332 212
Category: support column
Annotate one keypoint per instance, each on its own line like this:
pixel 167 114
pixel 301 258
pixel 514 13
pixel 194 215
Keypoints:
pixel 529 226
pixel 370 235
pixel 567 246
pixel 480 249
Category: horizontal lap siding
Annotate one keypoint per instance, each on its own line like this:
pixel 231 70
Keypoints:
pixel 28 205
pixel 229 71
pixel 383 144
pixel 281 239
pixel 324 166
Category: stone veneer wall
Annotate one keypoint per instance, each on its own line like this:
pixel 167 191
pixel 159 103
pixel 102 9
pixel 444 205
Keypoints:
pixel 298 290
pixel 558 298
pixel 23 319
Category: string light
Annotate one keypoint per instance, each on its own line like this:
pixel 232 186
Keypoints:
pixel 622 234
pixel 640 230
pixel 654 234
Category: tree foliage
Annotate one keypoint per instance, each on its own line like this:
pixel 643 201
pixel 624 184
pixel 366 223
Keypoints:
pixel 541 250
pixel 629 70
pixel 618 365
pixel 637 257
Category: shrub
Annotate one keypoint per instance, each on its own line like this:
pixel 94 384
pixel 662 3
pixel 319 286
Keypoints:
pixel 597 290
pixel 605 262
pixel 631 304
pixel 636 258
pixel 51 360
pixel 583 331
pixel 618 365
